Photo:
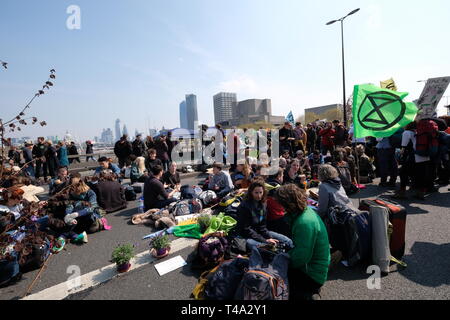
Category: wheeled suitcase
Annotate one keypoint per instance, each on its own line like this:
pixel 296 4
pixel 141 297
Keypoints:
pixel 397 216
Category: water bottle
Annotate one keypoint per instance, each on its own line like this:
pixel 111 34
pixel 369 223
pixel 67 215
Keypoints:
pixel 141 205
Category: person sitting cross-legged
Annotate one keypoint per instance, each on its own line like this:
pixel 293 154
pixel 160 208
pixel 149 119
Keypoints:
pixel 155 196
pixel 252 218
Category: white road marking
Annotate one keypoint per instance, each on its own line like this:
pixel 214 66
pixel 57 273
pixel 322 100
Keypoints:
pixel 96 277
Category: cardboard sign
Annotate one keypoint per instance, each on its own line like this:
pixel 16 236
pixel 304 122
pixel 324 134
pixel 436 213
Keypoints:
pixel 170 265
pixel 431 96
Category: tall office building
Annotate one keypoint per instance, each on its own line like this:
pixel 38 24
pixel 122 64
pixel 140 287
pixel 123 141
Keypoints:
pixel 183 115
pixel 107 136
pixel 191 111
pixel 125 131
pixel 118 133
pixel 224 106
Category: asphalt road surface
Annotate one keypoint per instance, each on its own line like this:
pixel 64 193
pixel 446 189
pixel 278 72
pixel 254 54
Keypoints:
pixel 426 277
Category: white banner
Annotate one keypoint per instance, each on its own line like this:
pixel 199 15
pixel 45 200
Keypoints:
pixel 431 96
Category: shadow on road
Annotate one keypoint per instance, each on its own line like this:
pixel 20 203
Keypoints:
pixel 340 272
pixel 428 264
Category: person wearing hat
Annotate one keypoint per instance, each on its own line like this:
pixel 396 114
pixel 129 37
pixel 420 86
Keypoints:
pixel 138 146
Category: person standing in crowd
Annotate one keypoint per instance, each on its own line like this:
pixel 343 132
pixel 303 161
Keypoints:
pixel 162 152
pixel 138 146
pixel 62 154
pixel 286 136
pixel 301 138
pixel 310 256
pixel 311 138
pixel 14 155
pixel 122 150
pixel 170 145
pixel 51 158
pixel 341 134
pixel 407 160
pixel 327 138
pixel 149 143
pixel 252 217
pixel 27 152
pixel 39 150
pixel 73 151
pixel 155 196
pixel 387 164
pixel 89 150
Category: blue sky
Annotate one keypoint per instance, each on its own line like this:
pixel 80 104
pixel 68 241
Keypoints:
pixel 135 60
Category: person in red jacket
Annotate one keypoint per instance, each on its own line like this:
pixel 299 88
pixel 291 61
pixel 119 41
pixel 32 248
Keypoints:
pixel 327 142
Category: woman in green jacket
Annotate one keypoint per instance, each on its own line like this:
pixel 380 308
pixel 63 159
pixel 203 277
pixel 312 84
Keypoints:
pixel 310 258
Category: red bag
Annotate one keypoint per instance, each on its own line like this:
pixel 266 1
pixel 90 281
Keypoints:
pixel 275 210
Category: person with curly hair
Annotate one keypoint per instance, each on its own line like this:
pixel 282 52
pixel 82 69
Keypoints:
pixel 310 256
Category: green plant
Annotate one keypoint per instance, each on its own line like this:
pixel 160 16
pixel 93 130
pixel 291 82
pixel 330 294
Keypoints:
pixel 204 220
pixel 123 254
pixel 160 242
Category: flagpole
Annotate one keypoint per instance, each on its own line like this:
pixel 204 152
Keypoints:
pixel 343 75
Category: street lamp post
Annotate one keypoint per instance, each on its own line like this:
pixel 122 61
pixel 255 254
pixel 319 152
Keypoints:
pixel 343 61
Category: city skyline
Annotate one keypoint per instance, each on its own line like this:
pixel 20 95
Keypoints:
pixel 294 60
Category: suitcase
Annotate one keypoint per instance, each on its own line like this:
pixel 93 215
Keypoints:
pixel 397 216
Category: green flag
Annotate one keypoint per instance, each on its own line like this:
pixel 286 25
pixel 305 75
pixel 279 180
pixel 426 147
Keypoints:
pixel 380 112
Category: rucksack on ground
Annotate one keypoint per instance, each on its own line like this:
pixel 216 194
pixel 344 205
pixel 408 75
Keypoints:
pixel 265 279
pixel 211 249
pixel 427 138
pixel 207 197
pixel 130 194
pixel 187 192
pixel 185 207
pixel 221 282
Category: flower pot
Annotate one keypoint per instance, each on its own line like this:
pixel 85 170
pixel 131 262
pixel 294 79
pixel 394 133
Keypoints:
pixel 160 253
pixel 121 268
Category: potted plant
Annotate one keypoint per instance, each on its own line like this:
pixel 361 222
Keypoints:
pixel 122 256
pixel 160 246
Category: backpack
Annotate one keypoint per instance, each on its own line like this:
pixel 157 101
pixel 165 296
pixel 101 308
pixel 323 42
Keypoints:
pixel 396 139
pixel 265 281
pixel 427 142
pixel 37 257
pixel 185 207
pixel 211 249
pixel 344 236
pixel 130 194
pixel 207 197
pixel 187 192
pixel 221 282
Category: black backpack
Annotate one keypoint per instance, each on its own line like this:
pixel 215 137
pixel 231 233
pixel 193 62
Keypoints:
pixel 265 280
pixel 223 283
pixel 130 194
